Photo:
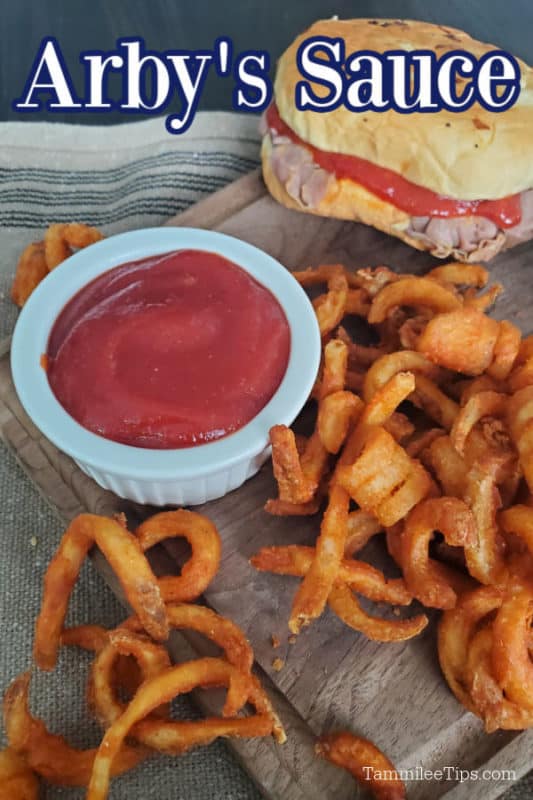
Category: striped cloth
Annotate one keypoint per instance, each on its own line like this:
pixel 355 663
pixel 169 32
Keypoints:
pixel 117 178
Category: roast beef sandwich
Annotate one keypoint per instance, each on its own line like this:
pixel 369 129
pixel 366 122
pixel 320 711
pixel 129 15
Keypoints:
pixel 455 184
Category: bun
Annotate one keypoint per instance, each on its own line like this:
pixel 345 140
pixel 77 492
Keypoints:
pixel 348 200
pixel 471 155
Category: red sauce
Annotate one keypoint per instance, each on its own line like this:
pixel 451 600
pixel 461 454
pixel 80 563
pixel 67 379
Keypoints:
pixel 388 185
pixel 171 351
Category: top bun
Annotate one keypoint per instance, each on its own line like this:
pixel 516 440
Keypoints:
pixel 471 155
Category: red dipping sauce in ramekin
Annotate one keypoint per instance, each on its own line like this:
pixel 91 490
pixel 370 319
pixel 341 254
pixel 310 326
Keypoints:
pixel 168 352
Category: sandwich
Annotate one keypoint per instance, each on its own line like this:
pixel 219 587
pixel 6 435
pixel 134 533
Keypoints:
pixel 455 184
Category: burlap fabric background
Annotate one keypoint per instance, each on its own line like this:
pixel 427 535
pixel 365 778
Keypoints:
pixel 118 178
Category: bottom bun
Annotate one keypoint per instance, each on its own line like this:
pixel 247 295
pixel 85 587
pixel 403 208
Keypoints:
pixel 346 199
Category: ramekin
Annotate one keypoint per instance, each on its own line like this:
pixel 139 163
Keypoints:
pixel 186 476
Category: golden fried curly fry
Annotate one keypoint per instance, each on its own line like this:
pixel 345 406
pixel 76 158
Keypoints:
pixel 314 276
pixel 330 308
pixel 521 376
pixel 204 539
pixel 479 405
pixel 342 601
pixel 361 577
pixel 519 521
pixel 151 659
pixel 456 629
pixel 389 365
pixel 505 350
pixel 449 467
pixel 161 689
pixel 462 340
pixel 17 780
pixel 399 426
pixel 422 441
pixel 412 291
pixel 312 595
pixel 487 695
pixel 48 754
pixel 124 554
pixel 456 522
pixel 386 400
pixel 284 508
pixel 31 269
pixel 520 422
pixel 484 301
pixel 357 302
pixel 220 630
pixel 60 240
pixel 437 405
pixel 511 659
pixel 88 637
pixel 383 480
pixel 335 366
pixel 362 526
pixel 483 556
pixel 460 274
pixel 336 413
pixel 369 766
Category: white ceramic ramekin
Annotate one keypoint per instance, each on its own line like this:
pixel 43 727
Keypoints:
pixel 186 476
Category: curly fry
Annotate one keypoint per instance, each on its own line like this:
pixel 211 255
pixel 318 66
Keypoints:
pixel 383 480
pixel 511 659
pixel 161 689
pixel 462 340
pixel 126 558
pixel 418 292
pixel 31 269
pixel 336 413
pixel 488 697
pixel 520 422
pixel 331 307
pixel 456 629
pixel 389 365
pixel 48 754
pixel 335 366
pixel 483 557
pixel 343 602
pixel 361 577
pixel 460 274
pixel 204 539
pixel 456 522
pixel 482 404
pixel 505 350
pixel 60 239
pixel 312 595
pixel 362 526
pixel 17 780
pixel 366 763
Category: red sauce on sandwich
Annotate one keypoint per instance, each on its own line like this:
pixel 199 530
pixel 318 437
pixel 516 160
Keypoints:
pixel 388 185
pixel 171 351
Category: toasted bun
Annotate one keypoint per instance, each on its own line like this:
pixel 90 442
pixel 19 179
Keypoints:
pixel 475 154
pixel 346 199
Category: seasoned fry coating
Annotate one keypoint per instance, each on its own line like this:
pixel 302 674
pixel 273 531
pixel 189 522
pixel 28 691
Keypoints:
pixel 124 554
pixel 17 780
pixel 204 539
pixel 48 754
pixel 31 269
pixel 162 689
pixel 370 767
pixel 39 258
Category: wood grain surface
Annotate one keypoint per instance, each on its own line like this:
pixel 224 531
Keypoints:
pixel 332 677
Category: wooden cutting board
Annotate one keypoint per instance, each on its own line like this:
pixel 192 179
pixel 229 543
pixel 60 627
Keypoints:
pixel 332 677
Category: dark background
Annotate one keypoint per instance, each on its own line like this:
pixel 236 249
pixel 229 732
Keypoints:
pixel 190 24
